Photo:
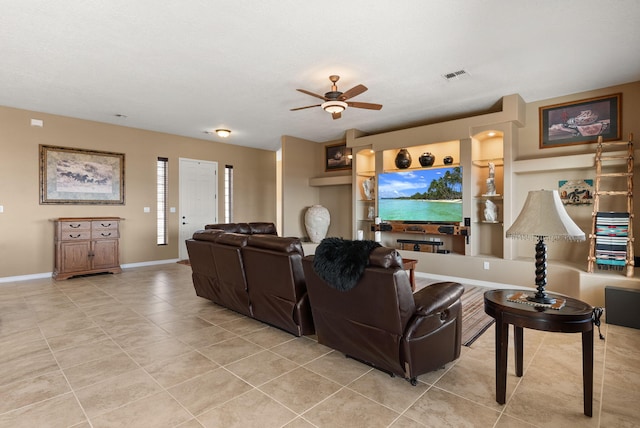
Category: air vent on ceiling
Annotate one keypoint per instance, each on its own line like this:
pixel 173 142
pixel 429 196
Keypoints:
pixel 455 75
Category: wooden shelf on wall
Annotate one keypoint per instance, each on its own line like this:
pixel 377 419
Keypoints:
pixel 422 228
pixel 337 180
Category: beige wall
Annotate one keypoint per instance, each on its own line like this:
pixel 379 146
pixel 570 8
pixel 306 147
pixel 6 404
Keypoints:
pixel 567 266
pixel 26 246
pixel 302 160
pixel 298 165
pixel 528 149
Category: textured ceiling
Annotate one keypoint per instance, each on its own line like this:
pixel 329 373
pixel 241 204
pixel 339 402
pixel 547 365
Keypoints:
pixel 185 67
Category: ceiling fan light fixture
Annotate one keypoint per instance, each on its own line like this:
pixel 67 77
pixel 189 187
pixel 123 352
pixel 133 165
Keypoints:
pixel 334 106
pixel 223 133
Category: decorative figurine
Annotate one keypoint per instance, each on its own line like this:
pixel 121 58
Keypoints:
pixel 490 211
pixel 491 184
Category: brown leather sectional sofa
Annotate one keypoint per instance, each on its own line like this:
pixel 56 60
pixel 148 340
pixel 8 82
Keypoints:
pixel 246 267
pixel 380 321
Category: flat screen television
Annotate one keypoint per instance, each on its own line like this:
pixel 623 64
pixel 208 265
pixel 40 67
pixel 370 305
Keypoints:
pixel 431 195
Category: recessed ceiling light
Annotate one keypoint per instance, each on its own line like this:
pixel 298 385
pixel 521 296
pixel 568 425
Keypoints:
pixel 491 134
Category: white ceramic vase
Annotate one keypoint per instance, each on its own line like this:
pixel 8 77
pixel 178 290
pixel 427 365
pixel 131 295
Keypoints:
pixel 316 221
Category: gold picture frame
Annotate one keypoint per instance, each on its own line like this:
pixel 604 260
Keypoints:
pixel 81 177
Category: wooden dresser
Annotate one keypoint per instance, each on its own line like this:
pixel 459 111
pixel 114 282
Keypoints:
pixel 85 245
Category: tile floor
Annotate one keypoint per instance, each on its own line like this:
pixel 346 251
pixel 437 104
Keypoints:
pixel 141 349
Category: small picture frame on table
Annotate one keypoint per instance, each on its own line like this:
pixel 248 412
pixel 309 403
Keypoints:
pixel 337 157
pixel 581 122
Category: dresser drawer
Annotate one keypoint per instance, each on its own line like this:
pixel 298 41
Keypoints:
pixel 104 225
pixel 66 226
pixel 104 234
pixel 75 235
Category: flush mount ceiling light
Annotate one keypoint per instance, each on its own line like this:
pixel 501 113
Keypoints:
pixel 334 106
pixel 223 133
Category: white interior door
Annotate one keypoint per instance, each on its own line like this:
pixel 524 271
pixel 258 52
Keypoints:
pixel 198 198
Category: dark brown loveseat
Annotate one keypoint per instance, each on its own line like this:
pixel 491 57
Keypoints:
pixel 382 323
pixel 258 275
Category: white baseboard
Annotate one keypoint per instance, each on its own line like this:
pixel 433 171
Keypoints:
pixel 149 263
pixel 48 274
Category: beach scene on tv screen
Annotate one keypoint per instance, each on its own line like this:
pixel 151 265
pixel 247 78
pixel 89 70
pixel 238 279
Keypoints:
pixel 429 195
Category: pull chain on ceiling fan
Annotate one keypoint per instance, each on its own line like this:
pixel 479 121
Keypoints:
pixel 335 102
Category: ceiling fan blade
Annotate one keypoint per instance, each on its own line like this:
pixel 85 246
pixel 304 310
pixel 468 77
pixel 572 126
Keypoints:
pixel 369 106
pixel 302 108
pixel 304 91
pixel 336 115
pixel 356 90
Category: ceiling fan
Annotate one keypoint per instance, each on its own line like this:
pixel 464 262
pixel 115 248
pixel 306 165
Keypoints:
pixel 336 101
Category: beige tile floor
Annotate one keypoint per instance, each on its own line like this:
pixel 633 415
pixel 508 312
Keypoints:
pixel 141 349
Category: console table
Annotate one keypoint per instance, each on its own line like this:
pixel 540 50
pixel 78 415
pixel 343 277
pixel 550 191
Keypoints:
pixel 573 317
pixel 85 245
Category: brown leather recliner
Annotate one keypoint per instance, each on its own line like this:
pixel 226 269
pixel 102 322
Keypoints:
pixel 204 272
pixel 382 323
pixel 276 283
pixel 227 256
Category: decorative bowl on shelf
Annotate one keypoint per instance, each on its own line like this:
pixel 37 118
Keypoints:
pixel 448 160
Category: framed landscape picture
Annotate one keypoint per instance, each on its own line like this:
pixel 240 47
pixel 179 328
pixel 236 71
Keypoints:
pixel 581 122
pixel 77 176
pixel 337 157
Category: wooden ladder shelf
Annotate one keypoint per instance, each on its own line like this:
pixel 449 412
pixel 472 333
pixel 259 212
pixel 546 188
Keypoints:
pixel 612 232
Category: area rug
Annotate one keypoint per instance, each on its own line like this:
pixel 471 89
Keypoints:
pixel 474 320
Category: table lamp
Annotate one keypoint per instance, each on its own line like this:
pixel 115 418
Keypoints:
pixel 544 217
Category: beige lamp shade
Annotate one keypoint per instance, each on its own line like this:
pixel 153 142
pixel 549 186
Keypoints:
pixel 543 215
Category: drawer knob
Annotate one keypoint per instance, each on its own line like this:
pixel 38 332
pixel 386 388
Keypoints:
pixel 75 236
pixel 105 225
pixel 106 234
pixel 75 226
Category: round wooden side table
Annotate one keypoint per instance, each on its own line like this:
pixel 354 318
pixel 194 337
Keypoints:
pixel 574 317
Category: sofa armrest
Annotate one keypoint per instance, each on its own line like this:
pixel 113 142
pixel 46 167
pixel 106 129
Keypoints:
pixel 436 297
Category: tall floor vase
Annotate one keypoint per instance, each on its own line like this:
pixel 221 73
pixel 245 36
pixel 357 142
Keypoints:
pixel 316 221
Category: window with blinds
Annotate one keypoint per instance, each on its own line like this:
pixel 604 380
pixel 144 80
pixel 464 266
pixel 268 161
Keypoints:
pixel 162 175
pixel 228 193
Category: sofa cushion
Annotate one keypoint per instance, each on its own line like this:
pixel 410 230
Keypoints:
pixel 263 228
pixel 276 243
pixel 233 239
pixel 207 235
pixel 243 228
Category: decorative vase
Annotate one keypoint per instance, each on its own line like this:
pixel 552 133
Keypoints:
pixel 403 159
pixel 316 221
pixel 426 159
pixel 448 160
